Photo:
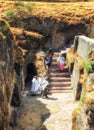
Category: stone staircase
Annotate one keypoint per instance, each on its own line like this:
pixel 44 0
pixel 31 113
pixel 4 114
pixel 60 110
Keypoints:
pixel 59 81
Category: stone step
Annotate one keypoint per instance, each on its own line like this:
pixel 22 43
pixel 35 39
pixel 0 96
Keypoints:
pixel 55 66
pixel 55 69
pixel 60 79
pixel 56 54
pixel 55 59
pixel 60 84
pixel 60 91
pixel 54 63
pixel 59 74
pixel 59 88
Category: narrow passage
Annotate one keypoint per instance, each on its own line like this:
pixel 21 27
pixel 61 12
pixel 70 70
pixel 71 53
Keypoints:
pixel 54 113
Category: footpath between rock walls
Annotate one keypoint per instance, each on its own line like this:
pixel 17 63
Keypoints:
pixel 54 113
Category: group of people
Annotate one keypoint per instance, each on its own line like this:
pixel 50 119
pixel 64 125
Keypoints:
pixel 40 84
pixel 60 59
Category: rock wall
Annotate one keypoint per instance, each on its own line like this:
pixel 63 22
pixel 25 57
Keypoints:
pixel 83 116
pixel 52 34
pixel 44 30
pixel 87 45
pixel 18 50
pixel 6 73
pixel 40 64
pixel 84 46
pixel 82 83
pixel 28 55
pixel 57 23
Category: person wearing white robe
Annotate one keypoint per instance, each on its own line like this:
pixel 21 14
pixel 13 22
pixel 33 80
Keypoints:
pixel 43 83
pixel 34 86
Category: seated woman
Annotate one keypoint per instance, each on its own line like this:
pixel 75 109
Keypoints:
pixel 61 62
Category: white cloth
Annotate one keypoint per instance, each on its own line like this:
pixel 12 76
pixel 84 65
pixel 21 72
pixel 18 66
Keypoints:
pixel 61 59
pixel 43 83
pixel 35 86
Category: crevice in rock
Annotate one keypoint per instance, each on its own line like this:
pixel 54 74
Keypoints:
pixel 17 68
pixel 31 71
pixel 71 68
pixel 79 90
pixel 16 101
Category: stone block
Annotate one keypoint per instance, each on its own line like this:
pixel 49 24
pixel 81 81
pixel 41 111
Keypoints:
pixel 85 47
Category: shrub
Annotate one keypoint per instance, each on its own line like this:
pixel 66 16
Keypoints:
pixel 10 14
pixel 4 28
pixel 87 65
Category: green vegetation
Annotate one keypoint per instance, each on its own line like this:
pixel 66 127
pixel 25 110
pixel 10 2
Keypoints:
pixel 3 36
pixel 82 99
pixel 26 6
pixel 87 65
pixel 4 28
pixel 29 6
pixel 10 14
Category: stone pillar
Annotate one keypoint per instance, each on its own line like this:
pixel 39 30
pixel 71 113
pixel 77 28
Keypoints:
pixel 84 47
pixel 75 79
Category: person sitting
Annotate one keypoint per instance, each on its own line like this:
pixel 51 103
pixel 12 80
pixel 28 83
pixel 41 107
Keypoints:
pixel 61 62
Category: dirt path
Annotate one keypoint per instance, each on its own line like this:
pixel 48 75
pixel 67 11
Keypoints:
pixel 54 113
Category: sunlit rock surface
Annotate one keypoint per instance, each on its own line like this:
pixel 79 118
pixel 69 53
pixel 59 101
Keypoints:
pixel 83 116
pixel 39 26
pixel 40 64
pixel 84 46
pixel 57 22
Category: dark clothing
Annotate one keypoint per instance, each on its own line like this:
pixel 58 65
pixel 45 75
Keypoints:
pixel 49 57
pixel 44 93
pixel 49 60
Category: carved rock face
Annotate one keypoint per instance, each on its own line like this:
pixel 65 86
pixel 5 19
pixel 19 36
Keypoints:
pixel 84 118
pixel 6 73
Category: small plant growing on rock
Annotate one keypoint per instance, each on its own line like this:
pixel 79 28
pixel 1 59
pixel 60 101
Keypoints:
pixel 3 36
pixel 4 28
pixel 10 14
pixel 82 99
pixel 87 65
pixel 19 3
pixel 29 6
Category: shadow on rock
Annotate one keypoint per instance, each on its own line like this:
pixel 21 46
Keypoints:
pixel 31 114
